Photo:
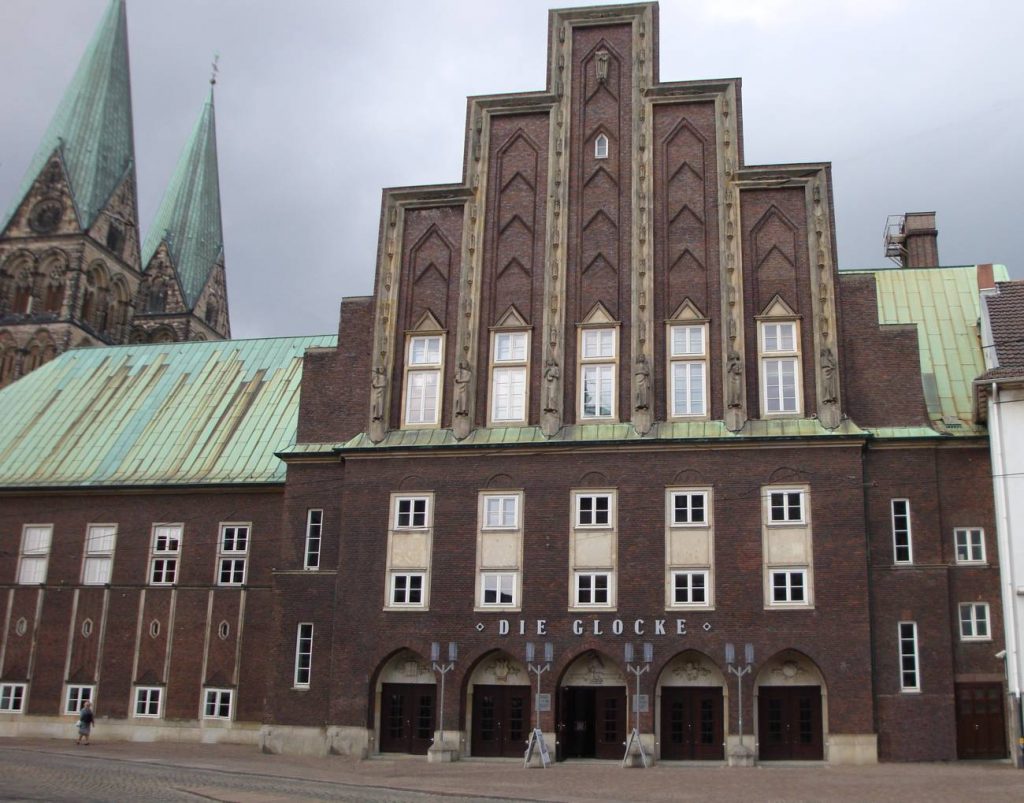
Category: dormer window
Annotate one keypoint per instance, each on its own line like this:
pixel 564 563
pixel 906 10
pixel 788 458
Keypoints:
pixel 601 147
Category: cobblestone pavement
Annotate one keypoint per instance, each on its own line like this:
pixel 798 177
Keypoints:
pixel 39 769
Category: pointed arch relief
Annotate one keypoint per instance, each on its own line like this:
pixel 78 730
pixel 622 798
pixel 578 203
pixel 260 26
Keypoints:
pixel 597 315
pixel 432 251
pixel 427 323
pixel 777 308
pixel 511 318
pixel 774 231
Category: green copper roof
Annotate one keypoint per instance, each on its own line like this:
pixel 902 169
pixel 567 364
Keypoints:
pixel 162 414
pixel 944 303
pixel 189 216
pixel 93 123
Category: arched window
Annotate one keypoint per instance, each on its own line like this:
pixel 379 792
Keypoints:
pixel 163 335
pixel 156 301
pixel 212 312
pixel 96 298
pixel 8 355
pixel 601 147
pixel 41 350
pixel 52 290
pixel 22 303
pixel 118 317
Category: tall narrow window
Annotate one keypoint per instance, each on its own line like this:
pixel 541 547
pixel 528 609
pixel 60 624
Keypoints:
pixel 787 544
pixel 99 553
pixel 423 381
pixel 163 566
pixel 601 147
pixel 232 553
pixel 598 355
pixel 909 680
pixel 303 655
pixel 689 548
pixel 35 553
pixel 687 371
pixel 499 549
pixel 409 552
pixel 780 368
pixel 593 550
pixel 314 526
pixel 901 544
pixel 510 351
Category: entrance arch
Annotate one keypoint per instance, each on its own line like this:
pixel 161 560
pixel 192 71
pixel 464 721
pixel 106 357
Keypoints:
pixel 791 706
pixel 591 711
pixel 405 704
pixel 498 706
pixel 690 708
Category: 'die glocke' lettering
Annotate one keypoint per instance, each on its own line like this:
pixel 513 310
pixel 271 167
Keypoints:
pixel 598 627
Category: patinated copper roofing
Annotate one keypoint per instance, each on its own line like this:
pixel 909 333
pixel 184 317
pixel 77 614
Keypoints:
pixel 206 413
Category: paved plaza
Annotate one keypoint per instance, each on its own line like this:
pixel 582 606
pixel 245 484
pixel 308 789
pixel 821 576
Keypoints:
pixel 38 769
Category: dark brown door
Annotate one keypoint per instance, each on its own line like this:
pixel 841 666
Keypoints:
pixel 592 722
pixel 500 720
pixel 789 723
pixel 980 727
pixel 407 718
pixel 691 723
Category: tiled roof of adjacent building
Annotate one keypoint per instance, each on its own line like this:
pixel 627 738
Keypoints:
pixel 189 218
pixel 203 413
pixel 945 305
pixel 92 127
pixel 1006 317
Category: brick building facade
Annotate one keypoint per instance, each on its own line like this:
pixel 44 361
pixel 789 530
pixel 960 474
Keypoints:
pixel 611 389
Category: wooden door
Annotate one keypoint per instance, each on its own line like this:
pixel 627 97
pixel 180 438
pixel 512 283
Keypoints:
pixel 980 723
pixel 407 718
pixel 789 723
pixel 610 727
pixel 691 723
pixel 500 720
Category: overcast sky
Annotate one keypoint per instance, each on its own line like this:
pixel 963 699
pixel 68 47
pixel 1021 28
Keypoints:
pixel 321 103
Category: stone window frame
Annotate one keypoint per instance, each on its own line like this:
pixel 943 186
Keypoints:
pixel 230 557
pixel 593 574
pixel 687 359
pixel 76 695
pixel 780 355
pixel 216 697
pixel 415 369
pixel 970 546
pixel 770 506
pixel 587 532
pixel 488 530
pixel 94 555
pixel 689 588
pixel 674 531
pixel 789 587
pixel 169 557
pixel 314 539
pixel 909 650
pixel 970 622
pixel 398 561
pixel 510 366
pixel 591 360
pixel 902 535
pixel 34 555
pixel 601 146
pixel 145 697
pixel 499 576
pixel 406 590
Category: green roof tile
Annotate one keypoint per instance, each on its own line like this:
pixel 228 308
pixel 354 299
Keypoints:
pixel 92 126
pixel 163 414
pixel 189 219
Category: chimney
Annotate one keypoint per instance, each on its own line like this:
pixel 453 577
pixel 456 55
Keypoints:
pixel 920 240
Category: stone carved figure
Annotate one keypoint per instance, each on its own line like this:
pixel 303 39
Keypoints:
pixel 377 385
pixel 734 370
pixel 642 374
pixel 463 375
pixel 829 380
pixel 551 376
pixel 602 66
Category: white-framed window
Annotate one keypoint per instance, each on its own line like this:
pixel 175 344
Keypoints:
pixel 786 506
pixel 902 546
pixel 407 589
pixel 909 680
pixel 689 508
pixel 970 544
pixel 217 703
pixel 780 368
pixel 12 698
pixel 789 586
pixel 974 622
pixel 593 510
pixel 232 552
pixel 163 564
pixel 303 655
pixel 598 366
pixel 314 529
pixel 601 147
pixel 687 371
pixel 690 588
pixel 593 589
pixel 148 700
pixel 498 589
pixel 99 553
pixel 35 553
pixel 76 696
pixel 423 365
pixel 510 353
pixel 412 512
pixel 501 511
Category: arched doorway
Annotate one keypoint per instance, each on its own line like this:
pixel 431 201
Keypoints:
pixel 791 709
pixel 406 705
pixel 691 709
pixel 498 699
pixel 592 709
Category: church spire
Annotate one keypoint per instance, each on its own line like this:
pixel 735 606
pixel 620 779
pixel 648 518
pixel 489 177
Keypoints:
pixel 92 127
pixel 188 221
